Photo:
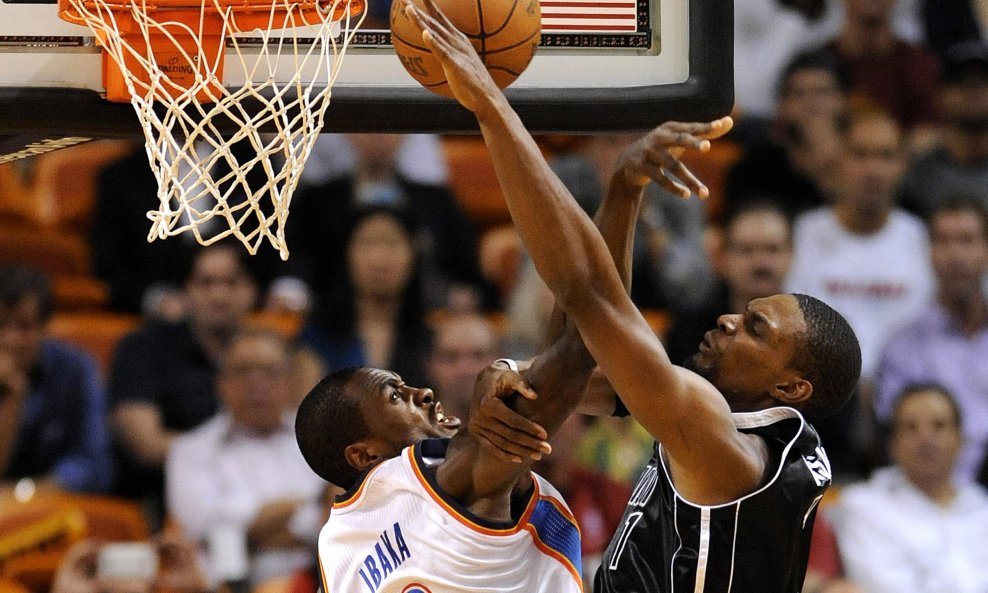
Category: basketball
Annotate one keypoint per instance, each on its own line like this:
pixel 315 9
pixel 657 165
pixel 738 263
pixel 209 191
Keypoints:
pixel 505 34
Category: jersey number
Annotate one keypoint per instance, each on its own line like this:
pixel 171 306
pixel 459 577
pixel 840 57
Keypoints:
pixel 629 524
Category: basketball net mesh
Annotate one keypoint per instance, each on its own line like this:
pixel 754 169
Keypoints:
pixel 202 184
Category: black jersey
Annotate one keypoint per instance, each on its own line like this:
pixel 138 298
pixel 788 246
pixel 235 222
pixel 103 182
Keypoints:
pixel 756 544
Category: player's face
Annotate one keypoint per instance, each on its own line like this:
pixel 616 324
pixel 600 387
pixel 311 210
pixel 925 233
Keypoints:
pixel 749 354
pixel 926 437
pixel 400 414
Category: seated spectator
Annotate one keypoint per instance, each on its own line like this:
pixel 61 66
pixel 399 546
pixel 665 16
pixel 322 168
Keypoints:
pixel 794 165
pixel 869 260
pixel 948 343
pixel 767 33
pixel 53 432
pixel 911 527
pixel 463 345
pixel 864 256
pixel 752 261
pixel 887 71
pixel 239 480
pixel 374 315
pixel 404 172
pixel 960 162
pixel 162 378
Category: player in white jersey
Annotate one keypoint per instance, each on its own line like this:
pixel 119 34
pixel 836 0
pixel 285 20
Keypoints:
pixel 398 531
pixel 783 351
pixel 477 519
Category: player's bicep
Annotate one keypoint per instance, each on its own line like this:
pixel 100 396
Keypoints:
pixel 677 407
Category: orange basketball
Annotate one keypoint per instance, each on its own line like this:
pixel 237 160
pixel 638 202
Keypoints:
pixel 505 34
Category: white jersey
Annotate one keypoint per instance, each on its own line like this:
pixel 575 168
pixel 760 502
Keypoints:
pixel 397 532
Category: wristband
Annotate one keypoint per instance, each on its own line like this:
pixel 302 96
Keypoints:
pixel 511 364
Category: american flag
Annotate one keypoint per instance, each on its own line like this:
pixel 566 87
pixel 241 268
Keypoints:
pixel 584 16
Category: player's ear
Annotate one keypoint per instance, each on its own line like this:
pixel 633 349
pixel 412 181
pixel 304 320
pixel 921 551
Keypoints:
pixel 794 390
pixel 364 455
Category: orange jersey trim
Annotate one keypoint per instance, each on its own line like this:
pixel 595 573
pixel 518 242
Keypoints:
pixel 466 521
pixel 356 495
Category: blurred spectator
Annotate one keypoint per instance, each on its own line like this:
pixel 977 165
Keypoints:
pixel 463 345
pixel 528 311
pixel 911 527
pixel 864 256
pixel 870 261
pixel 766 33
pixel 948 342
pixel 888 72
pixel 140 273
pixel 752 261
pixel 239 480
pixel 948 22
pixel 374 315
pixel 616 447
pixel 162 379
pixel 960 163
pixel 88 568
pixel 52 401
pixel 794 165
pixel 405 172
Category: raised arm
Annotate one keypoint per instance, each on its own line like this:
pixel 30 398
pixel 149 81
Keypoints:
pixel 712 460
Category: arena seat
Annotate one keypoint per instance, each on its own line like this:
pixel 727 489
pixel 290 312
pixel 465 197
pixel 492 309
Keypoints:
pixel 474 182
pixel 35 535
pixel 95 332
pixel 57 252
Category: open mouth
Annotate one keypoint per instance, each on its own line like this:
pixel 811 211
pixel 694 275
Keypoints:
pixel 444 421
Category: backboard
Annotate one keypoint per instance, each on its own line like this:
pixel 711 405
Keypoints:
pixel 603 65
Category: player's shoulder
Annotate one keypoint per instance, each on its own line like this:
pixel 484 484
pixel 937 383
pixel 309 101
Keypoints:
pixel 376 485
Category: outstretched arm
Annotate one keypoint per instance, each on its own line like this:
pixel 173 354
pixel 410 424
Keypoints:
pixel 712 461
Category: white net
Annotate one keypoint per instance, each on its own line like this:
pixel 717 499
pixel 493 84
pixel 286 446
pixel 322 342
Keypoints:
pixel 227 159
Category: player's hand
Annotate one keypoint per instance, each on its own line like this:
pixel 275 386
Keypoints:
pixel 466 75
pixel 656 156
pixel 514 437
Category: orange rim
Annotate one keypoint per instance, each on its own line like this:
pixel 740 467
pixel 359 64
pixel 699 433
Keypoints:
pixel 257 10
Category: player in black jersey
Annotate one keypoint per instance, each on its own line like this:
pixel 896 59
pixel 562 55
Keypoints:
pixel 729 500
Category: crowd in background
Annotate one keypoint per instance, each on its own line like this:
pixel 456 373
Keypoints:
pixel 861 178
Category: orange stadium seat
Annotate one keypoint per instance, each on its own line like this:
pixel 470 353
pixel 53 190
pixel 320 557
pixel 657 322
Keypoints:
pixel 473 181
pixel 97 333
pixel 35 535
pixel 58 253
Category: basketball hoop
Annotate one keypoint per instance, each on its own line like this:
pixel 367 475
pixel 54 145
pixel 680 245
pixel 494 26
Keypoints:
pixel 167 58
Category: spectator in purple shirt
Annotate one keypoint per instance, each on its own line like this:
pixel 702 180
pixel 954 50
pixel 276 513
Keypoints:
pixel 53 432
pixel 948 344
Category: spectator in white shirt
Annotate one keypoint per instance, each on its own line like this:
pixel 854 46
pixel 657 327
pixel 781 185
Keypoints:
pixel 911 528
pixel 238 484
